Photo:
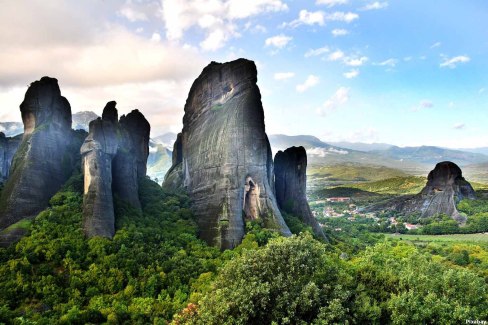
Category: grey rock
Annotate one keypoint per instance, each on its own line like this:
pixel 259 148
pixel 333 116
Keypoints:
pixel 291 186
pixel 445 187
pixel 8 148
pixel 114 157
pixel 226 163
pixel 45 158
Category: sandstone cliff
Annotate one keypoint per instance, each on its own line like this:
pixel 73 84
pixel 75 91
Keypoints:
pixel 445 187
pixel 291 186
pixel 114 156
pixel 223 157
pixel 45 157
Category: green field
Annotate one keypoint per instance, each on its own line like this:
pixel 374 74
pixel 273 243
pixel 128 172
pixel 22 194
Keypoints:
pixel 442 238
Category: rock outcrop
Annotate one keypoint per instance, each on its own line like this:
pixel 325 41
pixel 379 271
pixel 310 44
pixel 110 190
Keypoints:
pixel 8 148
pixel 45 157
pixel 445 187
pixel 223 157
pixel 290 168
pixel 114 157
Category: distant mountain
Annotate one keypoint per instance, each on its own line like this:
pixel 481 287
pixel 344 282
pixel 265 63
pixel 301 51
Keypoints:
pixel 430 155
pixel 323 154
pixel 159 161
pixel 482 150
pixel 11 129
pixel 167 139
pixel 81 120
pixel 361 146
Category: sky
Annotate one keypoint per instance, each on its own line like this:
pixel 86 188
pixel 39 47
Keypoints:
pixel 407 73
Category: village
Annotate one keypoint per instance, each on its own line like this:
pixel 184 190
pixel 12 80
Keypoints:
pixel 347 208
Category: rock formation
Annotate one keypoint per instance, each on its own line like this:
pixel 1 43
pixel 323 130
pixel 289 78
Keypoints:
pixel 45 157
pixel 445 187
pixel 114 156
pixel 8 148
pixel 223 157
pixel 291 185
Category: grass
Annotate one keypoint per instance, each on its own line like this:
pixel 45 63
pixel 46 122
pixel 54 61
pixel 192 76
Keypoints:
pixel 22 224
pixel 396 185
pixel 442 238
pixel 353 172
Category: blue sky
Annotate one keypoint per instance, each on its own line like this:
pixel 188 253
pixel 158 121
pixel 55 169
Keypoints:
pixel 401 72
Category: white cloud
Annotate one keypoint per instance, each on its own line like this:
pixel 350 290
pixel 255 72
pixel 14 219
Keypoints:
pixel 156 37
pixel 311 81
pixel 355 62
pixel 375 5
pixel 331 3
pixel 459 126
pixel 339 32
pixel 317 52
pixel 351 74
pixel 436 44
pixel 347 17
pixel 389 62
pixel 278 41
pixel 308 18
pixel 407 58
pixel 339 98
pixel 217 18
pixel 482 90
pixel 336 55
pixel 131 13
pixel 322 152
pixel 452 62
pixel 283 75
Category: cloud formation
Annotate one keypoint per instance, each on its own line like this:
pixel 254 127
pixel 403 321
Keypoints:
pixel 375 6
pixel 339 98
pixel 339 32
pixel 331 3
pixel 351 74
pixel 454 61
pixel 283 75
pixel 310 82
pixel 278 41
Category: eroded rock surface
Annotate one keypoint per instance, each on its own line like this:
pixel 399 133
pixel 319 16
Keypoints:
pixel 225 162
pixel 46 155
pixel 114 157
pixel 8 148
pixel 291 186
pixel 445 187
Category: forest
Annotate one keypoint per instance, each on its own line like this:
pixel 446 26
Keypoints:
pixel 156 270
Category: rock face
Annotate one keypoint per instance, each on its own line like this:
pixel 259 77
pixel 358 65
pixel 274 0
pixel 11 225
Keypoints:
pixel 291 185
pixel 223 157
pixel 445 187
pixel 45 157
pixel 114 156
pixel 8 148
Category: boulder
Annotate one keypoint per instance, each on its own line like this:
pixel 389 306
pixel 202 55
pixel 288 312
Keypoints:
pixel 223 157
pixel 290 168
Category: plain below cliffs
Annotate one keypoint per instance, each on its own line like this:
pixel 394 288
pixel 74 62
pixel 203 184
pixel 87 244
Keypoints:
pixel 290 168
pixel 445 187
pixel 223 157
pixel 46 154
pixel 114 157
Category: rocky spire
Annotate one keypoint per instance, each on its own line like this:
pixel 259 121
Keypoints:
pixel 225 162
pixel 114 156
pixel 291 186
pixel 45 159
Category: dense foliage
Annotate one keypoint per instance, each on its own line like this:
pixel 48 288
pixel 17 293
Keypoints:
pixel 156 270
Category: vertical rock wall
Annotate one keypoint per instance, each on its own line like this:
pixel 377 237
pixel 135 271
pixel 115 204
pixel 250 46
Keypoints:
pixel 114 157
pixel 44 159
pixel 225 162
pixel 291 186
